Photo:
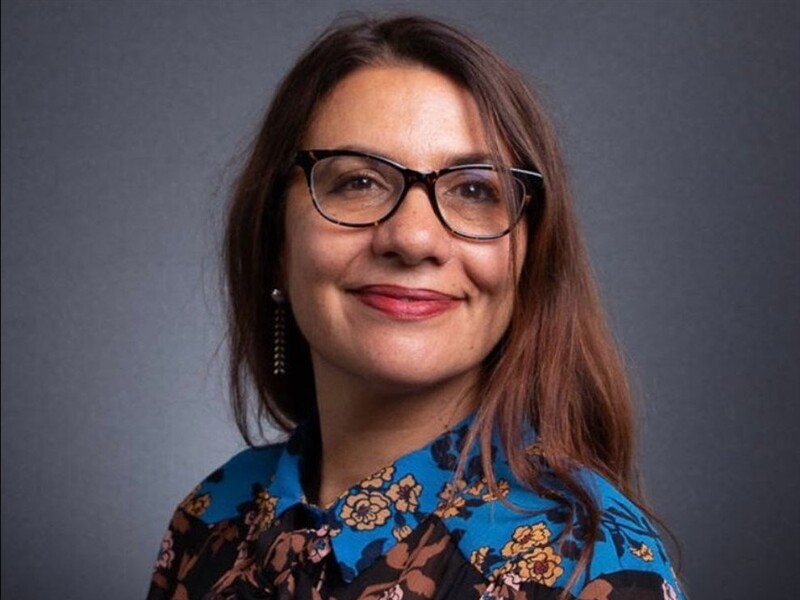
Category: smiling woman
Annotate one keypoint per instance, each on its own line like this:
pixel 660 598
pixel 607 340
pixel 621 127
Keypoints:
pixel 409 298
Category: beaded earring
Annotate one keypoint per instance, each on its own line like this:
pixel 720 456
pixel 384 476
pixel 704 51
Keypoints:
pixel 279 333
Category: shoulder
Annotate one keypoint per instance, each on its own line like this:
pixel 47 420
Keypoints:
pixel 219 495
pixel 535 539
pixel 212 510
pixel 629 551
pixel 628 539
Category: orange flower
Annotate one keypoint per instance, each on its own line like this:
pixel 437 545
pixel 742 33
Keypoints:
pixel 365 510
pixel 502 491
pixel 405 494
pixel 542 566
pixel 196 505
pixel 451 509
pixel 643 551
pixel 478 557
pixel 266 506
pixel 525 537
pixel 476 489
pixel 451 499
pixel 499 572
pixel 263 515
pixel 379 478
pixel 401 533
pixel 452 489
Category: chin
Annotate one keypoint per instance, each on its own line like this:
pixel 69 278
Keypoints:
pixel 415 376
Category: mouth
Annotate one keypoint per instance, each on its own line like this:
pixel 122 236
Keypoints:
pixel 406 304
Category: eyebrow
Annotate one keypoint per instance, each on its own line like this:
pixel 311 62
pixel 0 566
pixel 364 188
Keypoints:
pixel 472 158
pixel 450 160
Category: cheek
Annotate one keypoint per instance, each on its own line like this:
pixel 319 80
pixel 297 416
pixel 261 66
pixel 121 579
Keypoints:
pixel 493 273
pixel 299 251
pixel 304 260
pixel 316 253
pixel 308 269
pixel 518 246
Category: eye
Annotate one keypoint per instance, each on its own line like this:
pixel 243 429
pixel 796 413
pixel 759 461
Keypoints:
pixel 348 184
pixel 474 188
pixel 477 191
pixel 360 182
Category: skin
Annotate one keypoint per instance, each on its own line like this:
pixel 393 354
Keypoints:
pixel 386 384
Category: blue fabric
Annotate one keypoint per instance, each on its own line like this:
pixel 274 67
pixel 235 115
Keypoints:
pixel 497 538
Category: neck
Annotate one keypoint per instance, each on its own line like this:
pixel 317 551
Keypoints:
pixel 363 429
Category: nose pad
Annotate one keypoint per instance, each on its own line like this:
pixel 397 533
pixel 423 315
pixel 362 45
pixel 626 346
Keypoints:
pixel 414 232
pixel 418 196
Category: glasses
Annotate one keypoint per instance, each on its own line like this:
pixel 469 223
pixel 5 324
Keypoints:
pixel 474 201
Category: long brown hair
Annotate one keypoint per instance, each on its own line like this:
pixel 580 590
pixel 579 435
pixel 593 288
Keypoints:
pixel 556 367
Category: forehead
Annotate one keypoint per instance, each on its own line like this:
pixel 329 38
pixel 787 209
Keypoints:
pixel 412 114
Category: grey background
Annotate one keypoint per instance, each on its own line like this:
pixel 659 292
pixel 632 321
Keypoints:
pixel 120 125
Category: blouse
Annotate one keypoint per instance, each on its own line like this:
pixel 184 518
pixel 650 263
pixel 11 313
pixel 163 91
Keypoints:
pixel 410 531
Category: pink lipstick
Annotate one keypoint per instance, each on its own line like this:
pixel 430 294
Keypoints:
pixel 405 303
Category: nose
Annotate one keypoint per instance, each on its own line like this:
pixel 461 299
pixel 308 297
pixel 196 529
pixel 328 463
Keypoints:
pixel 414 234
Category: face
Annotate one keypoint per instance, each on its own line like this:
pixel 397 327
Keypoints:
pixel 404 305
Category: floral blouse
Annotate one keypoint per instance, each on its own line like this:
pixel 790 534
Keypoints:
pixel 410 531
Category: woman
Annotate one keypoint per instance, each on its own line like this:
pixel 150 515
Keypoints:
pixel 410 299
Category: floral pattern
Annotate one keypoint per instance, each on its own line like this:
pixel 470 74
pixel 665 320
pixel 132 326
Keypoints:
pixel 379 478
pixel 541 565
pixel 195 504
pixel 263 513
pixel 167 554
pixel 403 533
pixel 481 489
pixel 526 537
pixel 478 557
pixel 365 510
pixel 452 500
pixel 405 494
pixel 644 552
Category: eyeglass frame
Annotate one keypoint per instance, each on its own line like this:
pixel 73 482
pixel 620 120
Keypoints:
pixel 531 181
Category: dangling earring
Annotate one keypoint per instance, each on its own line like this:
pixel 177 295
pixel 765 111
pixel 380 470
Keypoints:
pixel 279 333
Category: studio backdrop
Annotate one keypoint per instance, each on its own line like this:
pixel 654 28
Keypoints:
pixel 122 125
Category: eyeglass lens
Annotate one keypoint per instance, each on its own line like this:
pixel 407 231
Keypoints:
pixel 359 190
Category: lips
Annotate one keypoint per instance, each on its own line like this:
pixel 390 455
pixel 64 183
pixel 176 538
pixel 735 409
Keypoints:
pixel 405 303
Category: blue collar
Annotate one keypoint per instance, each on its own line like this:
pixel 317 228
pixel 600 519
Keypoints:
pixel 372 516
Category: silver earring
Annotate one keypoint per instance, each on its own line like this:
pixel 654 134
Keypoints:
pixel 279 333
